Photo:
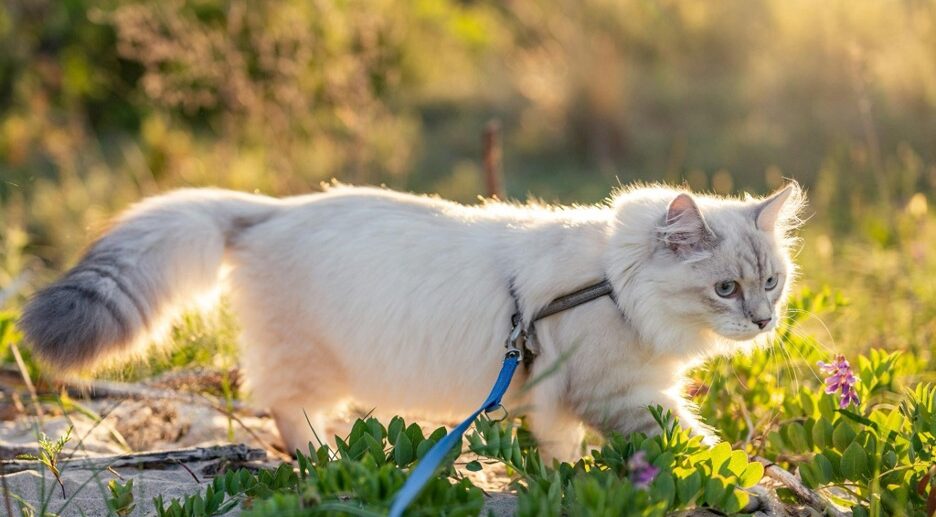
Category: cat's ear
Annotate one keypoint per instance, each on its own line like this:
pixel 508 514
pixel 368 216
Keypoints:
pixel 685 230
pixel 779 209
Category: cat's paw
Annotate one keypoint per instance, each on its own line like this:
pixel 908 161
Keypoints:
pixel 568 452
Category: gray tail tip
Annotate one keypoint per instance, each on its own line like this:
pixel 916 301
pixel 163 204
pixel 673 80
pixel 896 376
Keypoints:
pixel 69 327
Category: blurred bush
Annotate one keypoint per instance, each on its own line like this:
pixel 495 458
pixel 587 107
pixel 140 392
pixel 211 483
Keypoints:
pixel 103 101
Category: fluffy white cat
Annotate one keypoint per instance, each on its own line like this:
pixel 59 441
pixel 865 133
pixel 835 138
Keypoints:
pixel 403 303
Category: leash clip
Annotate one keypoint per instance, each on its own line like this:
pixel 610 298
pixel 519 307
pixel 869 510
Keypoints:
pixel 517 337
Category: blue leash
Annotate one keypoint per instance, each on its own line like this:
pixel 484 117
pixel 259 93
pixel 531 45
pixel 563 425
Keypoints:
pixel 427 467
pixel 517 348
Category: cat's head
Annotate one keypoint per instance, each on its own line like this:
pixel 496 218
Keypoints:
pixel 713 264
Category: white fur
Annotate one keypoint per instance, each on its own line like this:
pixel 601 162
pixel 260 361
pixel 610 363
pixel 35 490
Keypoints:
pixel 402 303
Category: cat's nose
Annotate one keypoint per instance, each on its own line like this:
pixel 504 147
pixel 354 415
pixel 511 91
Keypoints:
pixel 762 323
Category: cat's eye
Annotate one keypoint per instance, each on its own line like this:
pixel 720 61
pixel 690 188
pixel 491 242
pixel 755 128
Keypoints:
pixel 771 282
pixel 726 288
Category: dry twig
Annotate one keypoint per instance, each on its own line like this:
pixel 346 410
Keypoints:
pixel 812 499
pixel 107 389
pixel 234 453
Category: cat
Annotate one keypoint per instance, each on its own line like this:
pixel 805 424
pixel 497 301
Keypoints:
pixel 403 302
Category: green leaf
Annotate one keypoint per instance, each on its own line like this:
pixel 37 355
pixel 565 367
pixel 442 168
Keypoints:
pixel 415 434
pixel 358 430
pixel 827 407
pixel 734 501
pixel 858 418
pixel 720 455
pixel 375 448
pixel 506 443
pixel 493 442
pixel 824 470
pixel 752 475
pixel 475 443
pixel 737 462
pixel 843 435
pixel 376 430
pixel 356 451
pixel 688 487
pixel 822 434
pixel 835 458
pixel 423 448
pixel 664 460
pixel 516 456
pixel 473 466
pixel 438 434
pixel 394 429
pixel 776 441
pixel 807 403
pixel 714 491
pixel 797 436
pixel 889 459
pixel 854 462
pixel 652 448
pixel 403 451
pixel 808 474
pixel 665 487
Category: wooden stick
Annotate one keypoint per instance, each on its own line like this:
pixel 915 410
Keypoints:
pixel 229 414
pixel 6 490
pixel 769 503
pixel 110 389
pixel 814 500
pixel 24 371
pixel 493 177
pixel 236 453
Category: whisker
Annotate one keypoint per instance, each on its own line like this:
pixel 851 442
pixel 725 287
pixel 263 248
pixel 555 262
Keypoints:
pixel 790 368
pixel 812 341
pixel 809 365
pixel 814 316
pixel 712 377
pixel 737 376
pixel 773 359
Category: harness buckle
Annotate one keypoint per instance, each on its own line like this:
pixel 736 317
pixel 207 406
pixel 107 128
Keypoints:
pixel 517 337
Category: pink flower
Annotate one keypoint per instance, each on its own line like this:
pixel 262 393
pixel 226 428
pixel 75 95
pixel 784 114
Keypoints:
pixel 840 379
pixel 642 472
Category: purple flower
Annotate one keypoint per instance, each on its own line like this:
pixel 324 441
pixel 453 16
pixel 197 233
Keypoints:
pixel 840 379
pixel 642 472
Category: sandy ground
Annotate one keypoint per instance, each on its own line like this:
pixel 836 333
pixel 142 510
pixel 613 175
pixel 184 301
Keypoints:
pixel 153 425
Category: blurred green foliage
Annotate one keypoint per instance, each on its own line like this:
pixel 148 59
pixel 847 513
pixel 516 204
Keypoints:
pixel 104 101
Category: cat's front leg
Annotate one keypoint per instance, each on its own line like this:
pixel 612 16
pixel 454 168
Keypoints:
pixel 558 432
pixel 686 413
pixel 630 413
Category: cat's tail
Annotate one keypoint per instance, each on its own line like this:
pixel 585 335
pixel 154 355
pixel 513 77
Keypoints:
pixel 159 256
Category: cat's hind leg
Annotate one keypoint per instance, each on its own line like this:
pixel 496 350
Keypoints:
pixel 299 426
pixel 303 387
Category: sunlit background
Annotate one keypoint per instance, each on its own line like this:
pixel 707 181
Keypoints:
pixel 104 102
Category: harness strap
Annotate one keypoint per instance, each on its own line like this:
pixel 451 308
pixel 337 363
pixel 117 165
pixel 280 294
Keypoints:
pixel 584 295
pixel 528 344
pixel 518 349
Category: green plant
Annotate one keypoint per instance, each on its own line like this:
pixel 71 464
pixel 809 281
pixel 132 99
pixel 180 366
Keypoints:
pixel 49 451
pixel 121 497
pixel 686 472
pixel 360 476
